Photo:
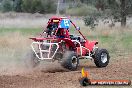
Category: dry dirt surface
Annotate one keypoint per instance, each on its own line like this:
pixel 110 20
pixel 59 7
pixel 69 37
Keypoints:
pixel 53 76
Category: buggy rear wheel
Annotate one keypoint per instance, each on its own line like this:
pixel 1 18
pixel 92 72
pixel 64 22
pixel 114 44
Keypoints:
pixel 31 60
pixel 70 60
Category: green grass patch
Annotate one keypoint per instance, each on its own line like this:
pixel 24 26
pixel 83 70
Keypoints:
pixel 24 31
pixel 127 42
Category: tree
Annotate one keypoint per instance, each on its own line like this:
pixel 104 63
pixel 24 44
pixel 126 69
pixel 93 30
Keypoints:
pixel 122 8
pixel 17 5
pixel 116 10
pixel 26 5
pixel 123 13
pixel 7 5
pixel 40 6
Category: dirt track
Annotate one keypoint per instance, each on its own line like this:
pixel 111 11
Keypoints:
pixel 60 78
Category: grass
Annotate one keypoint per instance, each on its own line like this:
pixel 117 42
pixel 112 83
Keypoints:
pixel 124 38
pixel 118 43
pixel 115 41
pixel 24 31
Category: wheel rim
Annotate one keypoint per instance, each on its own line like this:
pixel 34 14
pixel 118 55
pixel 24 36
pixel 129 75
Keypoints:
pixel 104 57
pixel 74 61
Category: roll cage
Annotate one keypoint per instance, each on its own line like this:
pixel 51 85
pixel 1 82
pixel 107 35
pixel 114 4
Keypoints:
pixel 59 25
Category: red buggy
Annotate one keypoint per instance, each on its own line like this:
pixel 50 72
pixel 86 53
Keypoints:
pixel 56 43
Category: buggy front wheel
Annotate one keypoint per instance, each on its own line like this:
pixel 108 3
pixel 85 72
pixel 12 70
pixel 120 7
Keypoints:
pixel 101 58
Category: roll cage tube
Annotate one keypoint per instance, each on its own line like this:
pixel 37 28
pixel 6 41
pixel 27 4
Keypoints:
pixel 78 30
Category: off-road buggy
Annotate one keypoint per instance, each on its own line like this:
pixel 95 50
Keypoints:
pixel 56 43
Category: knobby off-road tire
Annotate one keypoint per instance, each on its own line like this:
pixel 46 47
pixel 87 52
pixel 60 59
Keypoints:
pixel 31 60
pixel 70 61
pixel 101 58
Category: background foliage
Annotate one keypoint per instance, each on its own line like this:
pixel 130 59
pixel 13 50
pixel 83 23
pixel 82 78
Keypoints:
pixel 92 10
pixel 30 6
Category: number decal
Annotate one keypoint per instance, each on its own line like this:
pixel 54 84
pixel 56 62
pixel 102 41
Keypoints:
pixel 66 22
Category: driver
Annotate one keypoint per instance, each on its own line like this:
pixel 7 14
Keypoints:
pixel 62 33
pixel 51 29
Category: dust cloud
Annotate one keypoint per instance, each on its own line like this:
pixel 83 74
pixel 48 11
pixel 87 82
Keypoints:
pixel 13 55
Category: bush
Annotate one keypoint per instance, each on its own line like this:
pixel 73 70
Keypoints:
pixel 40 6
pixel 92 19
pixel 82 10
pixel 89 21
pixel 17 5
pixel 6 5
pixel 49 6
pixel 28 5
